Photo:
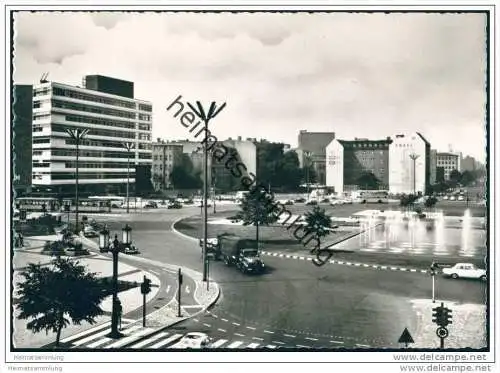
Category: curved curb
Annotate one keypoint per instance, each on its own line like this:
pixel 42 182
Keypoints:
pixel 172 228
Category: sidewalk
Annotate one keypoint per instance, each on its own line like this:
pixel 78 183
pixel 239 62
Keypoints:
pixel 131 298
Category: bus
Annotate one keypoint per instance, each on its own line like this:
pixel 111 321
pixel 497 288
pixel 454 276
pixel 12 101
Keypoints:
pixel 37 204
pixel 371 196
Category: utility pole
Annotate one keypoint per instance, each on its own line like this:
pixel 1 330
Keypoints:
pixel 205 117
pixel 128 146
pixel 414 159
pixel 77 135
pixel 179 280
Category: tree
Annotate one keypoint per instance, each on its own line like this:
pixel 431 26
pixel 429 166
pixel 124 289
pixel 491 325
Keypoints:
pixel 455 177
pixel 407 200
pixel 318 224
pixel 368 180
pixel 53 295
pixel 256 210
pixel 430 202
pixel 289 172
pixel 184 176
pixel 467 178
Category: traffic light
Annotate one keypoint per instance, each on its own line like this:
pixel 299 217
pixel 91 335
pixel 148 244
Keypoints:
pixel 441 316
pixel 180 277
pixel 146 286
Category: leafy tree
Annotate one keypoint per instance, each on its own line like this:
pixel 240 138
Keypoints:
pixel 430 202
pixel 318 224
pixel 455 177
pixel 289 171
pixel 467 178
pixel 53 295
pixel 368 180
pixel 256 209
pixel 407 200
pixel 184 176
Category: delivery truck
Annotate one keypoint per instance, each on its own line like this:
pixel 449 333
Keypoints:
pixel 239 252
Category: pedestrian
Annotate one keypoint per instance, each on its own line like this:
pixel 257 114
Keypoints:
pixel 21 240
pixel 120 311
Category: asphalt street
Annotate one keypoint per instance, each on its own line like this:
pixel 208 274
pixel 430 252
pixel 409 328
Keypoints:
pixel 295 302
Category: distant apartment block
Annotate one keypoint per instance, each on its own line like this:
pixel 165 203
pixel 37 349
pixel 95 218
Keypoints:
pixel 165 157
pixel 449 161
pixel 312 150
pixel 106 107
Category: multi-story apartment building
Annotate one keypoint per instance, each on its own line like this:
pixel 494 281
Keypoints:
pixel 107 108
pixel 22 111
pixel 469 164
pixel 312 151
pixel 449 161
pixel 165 156
pixel 348 160
pixel 409 164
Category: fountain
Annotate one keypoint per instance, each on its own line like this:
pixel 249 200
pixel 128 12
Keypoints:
pixel 466 249
pixel 440 234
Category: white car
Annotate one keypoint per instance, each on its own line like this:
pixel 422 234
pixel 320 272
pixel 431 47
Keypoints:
pixel 461 198
pixel 452 198
pixel 193 340
pixel 334 202
pixel 445 197
pixel 465 270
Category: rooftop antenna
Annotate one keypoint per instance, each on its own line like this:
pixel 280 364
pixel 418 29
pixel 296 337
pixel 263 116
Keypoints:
pixel 43 78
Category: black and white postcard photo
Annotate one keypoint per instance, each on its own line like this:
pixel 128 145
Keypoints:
pixel 221 186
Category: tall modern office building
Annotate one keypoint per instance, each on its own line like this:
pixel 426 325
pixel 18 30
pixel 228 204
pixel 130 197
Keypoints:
pixel 22 113
pixel 107 108
pixel 409 164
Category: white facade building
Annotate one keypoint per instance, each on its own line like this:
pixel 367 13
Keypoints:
pixel 405 174
pixel 449 161
pixel 111 119
pixel 335 166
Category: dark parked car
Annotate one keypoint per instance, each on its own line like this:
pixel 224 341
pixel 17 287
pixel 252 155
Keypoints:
pixel 175 205
pixel 132 250
pixel 151 205
pixel 300 200
pixel 312 202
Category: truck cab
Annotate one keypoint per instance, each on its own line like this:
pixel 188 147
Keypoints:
pixel 240 252
pixel 249 261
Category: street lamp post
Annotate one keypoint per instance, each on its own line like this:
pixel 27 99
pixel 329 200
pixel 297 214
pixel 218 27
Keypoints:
pixel 414 159
pixel 77 134
pixel 115 249
pixel 128 146
pixel 205 117
pixel 307 155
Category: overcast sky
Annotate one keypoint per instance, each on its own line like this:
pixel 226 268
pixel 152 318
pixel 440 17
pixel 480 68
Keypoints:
pixel 358 75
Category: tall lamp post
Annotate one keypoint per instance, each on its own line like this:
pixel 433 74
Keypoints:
pixel 414 159
pixel 115 249
pixel 77 134
pixel 128 146
pixel 205 117
pixel 307 158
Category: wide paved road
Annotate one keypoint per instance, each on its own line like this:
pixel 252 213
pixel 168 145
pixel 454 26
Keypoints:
pixel 297 303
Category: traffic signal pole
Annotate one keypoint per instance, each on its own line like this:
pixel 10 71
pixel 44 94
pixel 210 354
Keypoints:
pixel 179 279
pixel 144 310
pixel 145 289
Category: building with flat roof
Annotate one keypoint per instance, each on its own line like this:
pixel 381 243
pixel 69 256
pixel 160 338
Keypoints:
pixel 449 161
pixel 165 157
pixel 311 150
pixel 22 111
pixel 409 164
pixel 112 119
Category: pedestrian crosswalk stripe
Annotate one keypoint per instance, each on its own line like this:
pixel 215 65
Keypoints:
pixel 99 342
pixel 235 344
pixel 129 339
pixel 166 341
pixel 253 345
pixel 91 338
pixel 86 332
pixel 149 340
pixel 131 329
pixel 270 346
pixel 218 343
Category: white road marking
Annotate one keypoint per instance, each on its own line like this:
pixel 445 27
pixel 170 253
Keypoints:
pixel 253 345
pixel 99 342
pixel 270 346
pixel 129 339
pixel 357 264
pixel 282 255
pixel 166 341
pixel 207 325
pixel 149 340
pixel 383 267
pixel 250 327
pixel 214 316
pixel 196 320
pixel 235 344
pixel 302 258
pixel 278 342
pixel 403 269
pixel 239 335
pixel 340 262
pixel 99 327
pixel 168 288
pixel 413 270
pixel 339 342
pixel 394 268
pixel 218 343
pixel 289 335
pixel 309 259
pixel 360 345
pixel 267 331
pixel 92 337
pixel 222 330
pixel 366 265
pixel 152 271
pixel 225 320
pixel 235 323
pixel 302 346
pixel 311 339
pixel 131 329
pixel 187 290
pixel 258 339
